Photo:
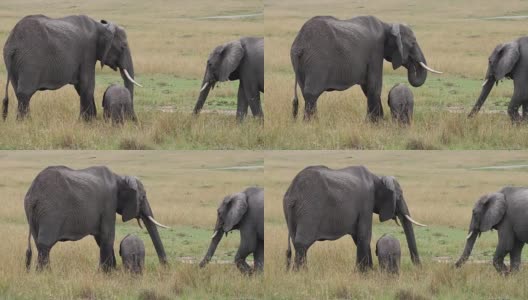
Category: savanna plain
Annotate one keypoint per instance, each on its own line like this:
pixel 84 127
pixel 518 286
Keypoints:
pixel 456 37
pixel 440 188
pixel 170 42
pixel 184 190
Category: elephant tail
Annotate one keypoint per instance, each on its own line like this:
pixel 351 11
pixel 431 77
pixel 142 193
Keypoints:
pixel 295 102
pixel 288 253
pixel 28 251
pixel 5 103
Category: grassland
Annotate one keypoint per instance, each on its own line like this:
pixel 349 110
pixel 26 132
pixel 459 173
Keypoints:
pixel 455 37
pixel 184 190
pixel 440 188
pixel 170 43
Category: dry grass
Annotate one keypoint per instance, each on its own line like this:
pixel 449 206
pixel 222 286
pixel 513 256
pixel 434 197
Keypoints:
pixel 184 190
pixel 170 46
pixel 440 188
pixel 454 38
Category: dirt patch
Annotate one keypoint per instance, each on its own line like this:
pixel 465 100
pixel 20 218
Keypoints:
pixel 241 168
pixel 501 167
pixel 193 260
pixel 173 109
pixel 232 17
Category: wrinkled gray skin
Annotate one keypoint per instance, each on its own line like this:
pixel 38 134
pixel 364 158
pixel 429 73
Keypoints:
pixel 63 204
pixel 244 212
pixel 507 212
pixel 325 204
pixel 401 103
pixel 237 60
pixel 508 60
pixel 45 54
pixel 118 105
pixel 388 252
pixel 132 252
pixel 332 55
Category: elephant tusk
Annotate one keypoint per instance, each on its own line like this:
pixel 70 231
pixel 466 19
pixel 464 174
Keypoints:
pixel 413 221
pixel 485 81
pixel 204 86
pixel 214 234
pixel 156 222
pixel 469 235
pixel 139 223
pixel 130 78
pixel 397 223
pixel 429 69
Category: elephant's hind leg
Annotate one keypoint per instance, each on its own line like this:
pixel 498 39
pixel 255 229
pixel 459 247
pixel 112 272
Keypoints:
pixel 44 241
pixel 248 244
pixel 258 256
pixel 23 103
pixel 242 103
pixel 515 255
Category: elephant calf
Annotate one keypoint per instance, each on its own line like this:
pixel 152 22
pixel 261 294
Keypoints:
pixel 388 252
pixel 132 252
pixel 243 211
pixel 401 103
pixel 118 105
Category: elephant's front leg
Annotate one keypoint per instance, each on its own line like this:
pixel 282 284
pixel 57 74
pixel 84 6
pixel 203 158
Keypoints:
pixel 85 89
pixel 242 103
pixel 515 256
pixel 248 244
pixel 363 236
pixel 259 256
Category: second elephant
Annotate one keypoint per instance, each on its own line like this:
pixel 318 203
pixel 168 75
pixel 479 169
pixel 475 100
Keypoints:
pixel 242 60
pixel 132 252
pixel 243 211
pixel 401 103
pixel 388 251
pixel 118 105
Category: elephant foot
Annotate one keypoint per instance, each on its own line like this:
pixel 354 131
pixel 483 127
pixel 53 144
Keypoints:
pixel 244 267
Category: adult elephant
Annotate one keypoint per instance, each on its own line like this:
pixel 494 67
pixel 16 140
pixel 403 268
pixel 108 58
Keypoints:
pixel 332 55
pixel 325 204
pixel 508 60
pixel 507 212
pixel 242 60
pixel 63 204
pixel 45 54
pixel 243 211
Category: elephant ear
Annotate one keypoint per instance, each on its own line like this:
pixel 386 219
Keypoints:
pixel 397 55
pixel 107 39
pixel 494 209
pixel 232 54
pixel 236 207
pixel 504 59
pixel 128 198
pixel 385 202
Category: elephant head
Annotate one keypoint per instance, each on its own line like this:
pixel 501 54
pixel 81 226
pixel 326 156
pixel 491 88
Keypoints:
pixel 389 204
pixel 402 49
pixel 113 51
pixel 230 213
pixel 501 63
pixel 132 203
pixel 222 65
pixel 488 212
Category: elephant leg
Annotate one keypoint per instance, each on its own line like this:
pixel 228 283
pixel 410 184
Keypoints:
pixel 113 261
pixel 248 245
pixel 85 89
pixel 43 256
pixel 525 111
pixel 44 241
pixel 253 96
pixel 373 93
pixel 23 103
pixel 301 250
pixel 258 256
pixel 364 235
pixel 310 105
pixel 242 103
pixel 515 255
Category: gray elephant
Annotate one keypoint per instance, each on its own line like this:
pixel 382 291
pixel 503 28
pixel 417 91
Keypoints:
pixel 401 103
pixel 507 212
pixel 132 252
pixel 63 204
pixel 325 204
pixel 45 54
pixel 508 60
pixel 243 211
pixel 241 60
pixel 332 55
pixel 388 252
pixel 118 105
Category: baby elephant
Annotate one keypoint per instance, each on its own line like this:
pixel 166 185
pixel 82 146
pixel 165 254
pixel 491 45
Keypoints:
pixel 388 252
pixel 132 252
pixel 118 105
pixel 401 103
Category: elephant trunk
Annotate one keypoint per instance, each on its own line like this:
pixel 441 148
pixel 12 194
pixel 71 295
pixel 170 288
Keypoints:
pixel 128 65
pixel 467 249
pixel 486 89
pixel 416 74
pixel 207 84
pixel 212 247
pixel 154 235
pixel 409 232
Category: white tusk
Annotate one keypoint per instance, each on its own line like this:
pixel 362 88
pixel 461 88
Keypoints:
pixel 204 86
pixel 156 222
pixel 214 234
pixel 397 223
pixel 469 235
pixel 130 78
pixel 429 69
pixel 413 221
pixel 485 81
pixel 139 223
